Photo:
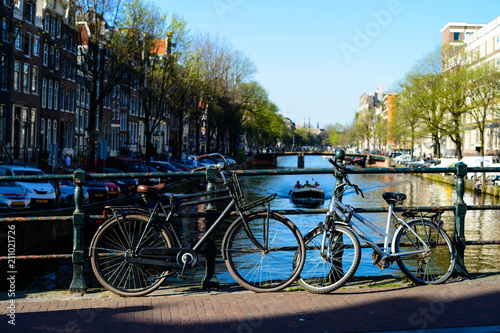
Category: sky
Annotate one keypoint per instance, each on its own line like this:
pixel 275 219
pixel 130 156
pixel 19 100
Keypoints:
pixel 316 58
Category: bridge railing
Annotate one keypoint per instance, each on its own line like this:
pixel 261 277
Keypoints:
pixel 78 217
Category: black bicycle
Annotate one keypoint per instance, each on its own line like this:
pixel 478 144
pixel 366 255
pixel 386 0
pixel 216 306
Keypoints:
pixel 136 249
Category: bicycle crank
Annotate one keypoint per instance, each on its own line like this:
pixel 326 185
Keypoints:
pixel 380 262
pixel 186 258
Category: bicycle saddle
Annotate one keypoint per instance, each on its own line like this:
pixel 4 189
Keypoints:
pixel 155 189
pixel 393 198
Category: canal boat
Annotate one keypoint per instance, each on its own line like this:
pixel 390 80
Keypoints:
pixel 309 196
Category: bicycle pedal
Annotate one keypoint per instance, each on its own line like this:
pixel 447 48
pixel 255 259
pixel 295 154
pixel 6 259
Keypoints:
pixel 181 277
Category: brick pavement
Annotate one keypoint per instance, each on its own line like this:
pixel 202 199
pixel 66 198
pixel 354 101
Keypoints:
pixel 461 304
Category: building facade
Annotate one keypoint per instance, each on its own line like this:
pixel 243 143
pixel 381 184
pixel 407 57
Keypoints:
pixel 483 42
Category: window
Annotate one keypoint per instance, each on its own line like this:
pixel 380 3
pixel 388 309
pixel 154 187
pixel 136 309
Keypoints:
pixel 63 69
pixel 63 91
pixel 36 46
pixel 45 55
pixel 58 32
pixel 44 93
pixel 58 56
pixel 4 67
pixel 47 23
pixel 77 94
pixel 71 100
pixel 77 120
pixel 54 131
pixel 17 76
pixel 27 44
pixel 489 46
pixel 56 95
pixel 42 133
pixel 26 78
pixel 49 132
pixel 17 41
pixel 3 122
pixel 28 12
pixel 34 80
pixel 53 28
pixel 456 36
pixel 81 100
pixel 5 29
pixel 52 58
pixel 33 128
pixel 49 95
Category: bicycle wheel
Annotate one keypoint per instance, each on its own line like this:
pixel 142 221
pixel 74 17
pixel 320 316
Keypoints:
pixel 118 238
pixel 328 270
pixel 273 268
pixel 435 266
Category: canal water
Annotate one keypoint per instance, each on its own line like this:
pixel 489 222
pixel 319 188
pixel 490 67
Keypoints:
pixel 480 225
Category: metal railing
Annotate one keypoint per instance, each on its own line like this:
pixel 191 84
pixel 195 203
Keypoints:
pixel 78 217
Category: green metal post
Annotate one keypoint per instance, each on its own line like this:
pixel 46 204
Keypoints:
pixel 78 284
pixel 460 210
pixel 210 278
pixel 339 158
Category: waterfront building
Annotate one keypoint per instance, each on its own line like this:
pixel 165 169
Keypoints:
pixel 482 41
pixel 45 95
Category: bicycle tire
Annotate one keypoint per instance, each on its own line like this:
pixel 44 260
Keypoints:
pixel 264 271
pixel 434 267
pixel 108 261
pixel 324 273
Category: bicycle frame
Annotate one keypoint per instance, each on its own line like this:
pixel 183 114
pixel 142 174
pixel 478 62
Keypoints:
pixel 168 211
pixel 339 209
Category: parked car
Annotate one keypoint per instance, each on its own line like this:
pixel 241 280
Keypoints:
pixel 41 192
pixel 181 166
pixel 230 161
pixel 162 166
pixel 127 185
pixel 401 159
pixel 67 193
pixel 13 197
pixel 415 162
pixel 97 190
pixel 487 161
pixel 128 165
pixel 206 162
pixel 113 189
pixel 189 163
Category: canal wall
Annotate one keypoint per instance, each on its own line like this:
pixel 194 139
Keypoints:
pixel 470 184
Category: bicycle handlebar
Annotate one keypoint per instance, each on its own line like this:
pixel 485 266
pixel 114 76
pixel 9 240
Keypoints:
pixel 346 178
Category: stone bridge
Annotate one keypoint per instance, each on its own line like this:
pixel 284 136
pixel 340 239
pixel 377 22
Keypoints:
pixel 364 160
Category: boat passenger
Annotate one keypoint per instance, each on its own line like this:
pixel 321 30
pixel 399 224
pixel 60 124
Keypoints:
pixel 316 185
pixel 297 185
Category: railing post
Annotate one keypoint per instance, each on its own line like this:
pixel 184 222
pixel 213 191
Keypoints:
pixel 339 159
pixel 210 278
pixel 300 160
pixel 460 210
pixel 78 284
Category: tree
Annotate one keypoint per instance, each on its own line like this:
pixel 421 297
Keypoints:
pixel 484 97
pixel 454 93
pixel 102 59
